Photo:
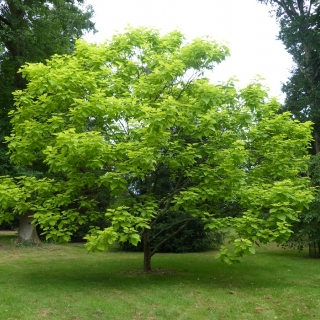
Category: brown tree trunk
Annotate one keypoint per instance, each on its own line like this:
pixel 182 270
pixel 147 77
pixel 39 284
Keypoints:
pixel 27 230
pixel 146 250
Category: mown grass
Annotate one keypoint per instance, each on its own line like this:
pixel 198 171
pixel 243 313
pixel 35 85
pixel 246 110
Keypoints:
pixel 64 282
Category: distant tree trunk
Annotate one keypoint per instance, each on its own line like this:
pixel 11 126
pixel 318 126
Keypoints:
pixel 27 231
pixel 146 250
pixel 317 143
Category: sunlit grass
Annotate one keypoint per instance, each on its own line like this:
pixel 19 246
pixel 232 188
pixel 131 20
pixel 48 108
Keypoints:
pixel 64 282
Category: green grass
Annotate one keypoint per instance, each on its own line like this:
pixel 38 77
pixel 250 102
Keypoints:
pixel 64 282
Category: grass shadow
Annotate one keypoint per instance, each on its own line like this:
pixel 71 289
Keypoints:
pixel 64 282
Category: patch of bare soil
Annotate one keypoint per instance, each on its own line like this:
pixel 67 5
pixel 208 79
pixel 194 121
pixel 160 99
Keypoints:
pixel 44 313
pixel 153 271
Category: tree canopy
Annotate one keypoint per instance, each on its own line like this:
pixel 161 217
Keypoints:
pixel 299 32
pixel 33 30
pixel 124 114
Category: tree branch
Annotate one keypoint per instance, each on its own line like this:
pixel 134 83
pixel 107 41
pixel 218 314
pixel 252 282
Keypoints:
pixel 166 207
pixel 310 5
pixel 290 12
pixel 5 21
pixel 167 201
pixel 317 72
pixel 177 189
pixel 133 195
pixel 155 250
pixel 300 6
pixel 148 180
pixel 170 227
pixel 292 9
pixel 194 75
pixel 299 66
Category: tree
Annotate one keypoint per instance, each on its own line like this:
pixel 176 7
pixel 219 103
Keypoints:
pixel 306 231
pixel 299 32
pixel 32 31
pixel 123 114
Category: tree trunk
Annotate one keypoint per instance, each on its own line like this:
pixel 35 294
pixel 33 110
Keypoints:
pixel 27 231
pixel 146 250
pixel 316 143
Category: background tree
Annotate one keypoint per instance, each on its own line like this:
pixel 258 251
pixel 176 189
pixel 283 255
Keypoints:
pixel 306 232
pixel 299 32
pixel 126 113
pixel 32 31
pixel 299 22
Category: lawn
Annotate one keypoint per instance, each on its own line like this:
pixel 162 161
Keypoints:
pixel 64 282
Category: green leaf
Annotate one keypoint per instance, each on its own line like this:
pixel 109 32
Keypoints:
pixel 101 247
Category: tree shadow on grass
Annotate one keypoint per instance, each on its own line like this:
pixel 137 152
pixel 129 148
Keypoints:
pixel 93 271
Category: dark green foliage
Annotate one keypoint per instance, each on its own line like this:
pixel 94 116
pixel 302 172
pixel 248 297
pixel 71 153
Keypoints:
pixel 33 30
pixel 103 198
pixel 83 229
pixel 307 231
pixel 191 239
pixel 299 22
pixel 13 225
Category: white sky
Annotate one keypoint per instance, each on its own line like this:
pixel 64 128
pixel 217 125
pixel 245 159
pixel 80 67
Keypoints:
pixel 244 25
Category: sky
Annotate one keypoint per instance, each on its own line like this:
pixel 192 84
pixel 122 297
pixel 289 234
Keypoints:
pixel 245 26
